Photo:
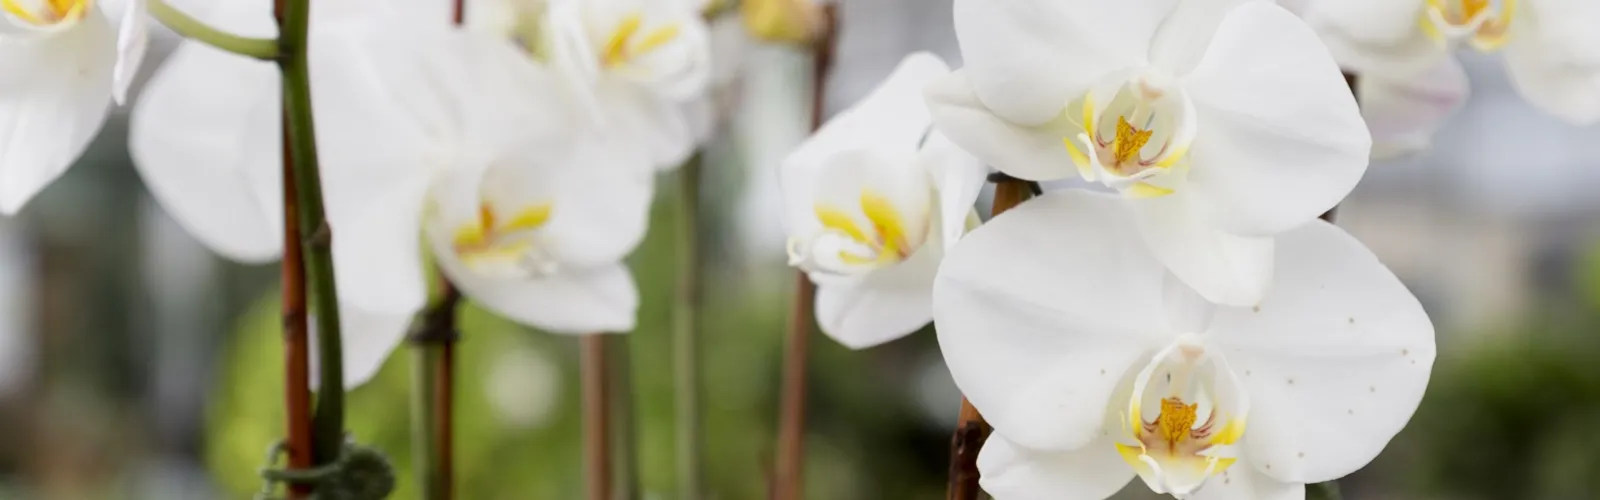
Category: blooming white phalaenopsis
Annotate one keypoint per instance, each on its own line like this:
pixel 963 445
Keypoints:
pixel 1224 122
pixel 871 203
pixel 62 64
pixel 424 133
pixel 1094 365
pixel 640 67
pixel 1403 52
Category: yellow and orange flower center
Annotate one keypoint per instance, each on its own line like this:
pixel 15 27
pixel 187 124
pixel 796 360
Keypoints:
pixel 48 12
pixel 1137 141
pixel 883 242
pixel 1485 24
pixel 629 40
pixel 1200 416
pixel 493 238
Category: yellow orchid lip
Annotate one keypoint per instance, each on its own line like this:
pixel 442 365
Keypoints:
pixel 489 239
pixel 1177 451
pixel 1149 137
pixel 627 43
pixel 53 11
pixel 1485 24
pixel 845 246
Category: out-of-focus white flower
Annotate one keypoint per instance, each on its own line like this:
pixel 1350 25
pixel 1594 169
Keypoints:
pixel 1093 365
pixel 421 130
pixel 638 66
pixel 872 201
pixel 1405 47
pixel 1224 122
pixel 62 63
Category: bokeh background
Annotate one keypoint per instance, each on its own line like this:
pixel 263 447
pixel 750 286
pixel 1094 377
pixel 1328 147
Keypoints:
pixel 134 364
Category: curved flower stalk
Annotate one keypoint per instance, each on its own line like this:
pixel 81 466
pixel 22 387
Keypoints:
pixel 872 202
pixel 1094 366
pixel 411 118
pixel 1405 49
pixel 62 63
pixel 640 68
pixel 1222 122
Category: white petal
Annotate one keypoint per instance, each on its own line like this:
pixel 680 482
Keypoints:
pixel 1282 140
pixel 572 302
pixel 882 305
pixel 1184 36
pixel 1376 36
pixel 1564 27
pixel 893 116
pixel 1028 58
pixel 1244 481
pixel 1222 267
pixel 373 131
pixel 1011 472
pixel 1561 86
pixel 133 37
pixel 1187 311
pixel 958 177
pixel 57 88
pixel 1038 327
pixel 600 214
pixel 658 126
pixel 1335 359
pixel 1025 152
pixel 190 136
pixel 369 337
pixel 1404 114
pixel 378 252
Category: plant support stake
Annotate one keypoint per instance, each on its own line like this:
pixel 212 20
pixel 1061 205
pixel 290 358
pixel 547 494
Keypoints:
pixel 788 481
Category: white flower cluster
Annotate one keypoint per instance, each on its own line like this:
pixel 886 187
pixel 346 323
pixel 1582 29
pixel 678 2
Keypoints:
pixel 1186 319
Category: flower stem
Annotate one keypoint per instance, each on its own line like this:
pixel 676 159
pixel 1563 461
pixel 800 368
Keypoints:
pixel 315 239
pixel 433 338
pixel 596 416
pixel 971 429
pixel 788 483
pixel 624 446
pixel 194 29
pixel 685 333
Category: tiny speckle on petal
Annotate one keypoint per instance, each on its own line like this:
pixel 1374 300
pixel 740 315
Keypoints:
pixel 1255 309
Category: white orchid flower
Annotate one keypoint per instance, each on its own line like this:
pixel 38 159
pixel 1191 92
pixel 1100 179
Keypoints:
pixel 411 117
pixel 1223 121
pixel 640 67
pixel 872 201
pixel 63 64
pixel 1093 365
pixel 1551 50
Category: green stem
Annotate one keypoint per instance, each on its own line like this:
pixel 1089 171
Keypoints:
pixel 625 453
pixel 194 29
pixel 423 364
pixel 1323 491
pixel 685 333
pixel 315 237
